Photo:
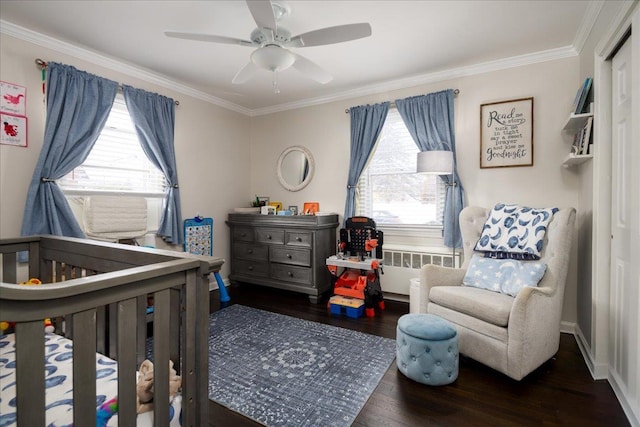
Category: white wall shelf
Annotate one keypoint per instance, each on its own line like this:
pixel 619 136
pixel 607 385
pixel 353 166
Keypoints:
pixel 575 160
pixel 576 121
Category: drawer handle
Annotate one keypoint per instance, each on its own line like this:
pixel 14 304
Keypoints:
pixel 289 256
pixel 290 274
pixel 269 236
pixel 243 235
pixel 250 268
pixel 298 239
pixel 249 251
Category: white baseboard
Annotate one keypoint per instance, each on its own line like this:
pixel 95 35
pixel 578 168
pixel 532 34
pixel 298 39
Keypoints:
pixel 567 327
pixel 627 406
pixel 599 371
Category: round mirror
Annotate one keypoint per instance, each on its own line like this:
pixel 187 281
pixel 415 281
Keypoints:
pixel 295 168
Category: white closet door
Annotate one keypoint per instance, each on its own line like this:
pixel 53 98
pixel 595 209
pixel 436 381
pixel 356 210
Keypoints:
pixel 625 228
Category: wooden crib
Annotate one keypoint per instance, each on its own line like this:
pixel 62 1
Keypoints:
pixel 96 292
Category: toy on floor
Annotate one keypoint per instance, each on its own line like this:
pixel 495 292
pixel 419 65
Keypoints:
pixel 351 307
pixel 8 326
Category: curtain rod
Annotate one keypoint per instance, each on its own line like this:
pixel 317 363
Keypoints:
pixel 43 64
pixel 393 104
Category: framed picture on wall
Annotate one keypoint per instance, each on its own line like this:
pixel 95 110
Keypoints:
pixel 506 133
pixel 14 130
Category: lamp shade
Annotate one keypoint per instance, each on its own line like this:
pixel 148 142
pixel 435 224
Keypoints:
pixel 435 162
pixel 273 58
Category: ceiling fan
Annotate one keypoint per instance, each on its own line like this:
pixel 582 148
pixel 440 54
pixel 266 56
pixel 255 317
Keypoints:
pixel 273 43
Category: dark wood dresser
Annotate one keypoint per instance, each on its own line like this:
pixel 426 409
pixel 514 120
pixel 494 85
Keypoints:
pixel 286 252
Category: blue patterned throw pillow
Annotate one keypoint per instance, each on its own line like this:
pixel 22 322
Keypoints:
pixel 515 232
pixel 506 276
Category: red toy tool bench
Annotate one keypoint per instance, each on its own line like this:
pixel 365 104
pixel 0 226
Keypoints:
pixel 360 255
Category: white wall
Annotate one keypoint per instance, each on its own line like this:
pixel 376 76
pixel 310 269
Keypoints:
pixel 212 145
pixel 325 131
pixel 225 159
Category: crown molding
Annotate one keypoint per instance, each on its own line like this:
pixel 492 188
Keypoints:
pixel 485 67
pixel 391 85
pixel 588 21
pixel 113 64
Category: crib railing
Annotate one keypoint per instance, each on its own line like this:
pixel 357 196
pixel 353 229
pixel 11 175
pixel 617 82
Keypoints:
pixel 98 291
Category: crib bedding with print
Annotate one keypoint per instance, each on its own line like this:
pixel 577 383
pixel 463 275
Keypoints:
pixel 59 385
pixel 97 294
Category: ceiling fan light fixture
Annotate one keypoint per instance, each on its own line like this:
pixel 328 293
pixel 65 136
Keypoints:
pixel 273 58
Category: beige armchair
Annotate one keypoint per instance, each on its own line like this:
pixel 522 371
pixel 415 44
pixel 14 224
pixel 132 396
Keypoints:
pixel 511 335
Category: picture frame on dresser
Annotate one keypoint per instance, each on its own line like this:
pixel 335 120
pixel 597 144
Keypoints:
pixel 310 208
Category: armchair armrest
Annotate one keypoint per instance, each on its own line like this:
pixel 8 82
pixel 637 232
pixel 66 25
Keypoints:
pixel 534 327
pixel 435 275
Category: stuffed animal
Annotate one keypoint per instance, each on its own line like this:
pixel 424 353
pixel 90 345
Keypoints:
pixel 106 411
pixel 144 389
pixel 48 325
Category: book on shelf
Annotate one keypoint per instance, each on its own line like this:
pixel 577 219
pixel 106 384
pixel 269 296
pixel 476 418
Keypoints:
pixel 576 100
pixel 584 94
pixel 587 136
pixel 582 139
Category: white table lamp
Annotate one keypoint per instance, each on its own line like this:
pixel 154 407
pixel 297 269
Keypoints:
pixel 440 162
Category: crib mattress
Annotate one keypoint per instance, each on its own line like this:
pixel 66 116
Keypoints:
pixel 59 383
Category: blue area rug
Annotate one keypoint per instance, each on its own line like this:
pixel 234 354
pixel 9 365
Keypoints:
pixel 283 371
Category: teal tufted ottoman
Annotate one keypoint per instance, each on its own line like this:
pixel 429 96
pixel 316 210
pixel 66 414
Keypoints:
pixel 427 349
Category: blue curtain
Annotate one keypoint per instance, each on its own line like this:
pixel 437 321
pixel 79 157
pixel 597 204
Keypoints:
pixel 429 119
pixel 153 116
pixel 366 124
pixel 78 104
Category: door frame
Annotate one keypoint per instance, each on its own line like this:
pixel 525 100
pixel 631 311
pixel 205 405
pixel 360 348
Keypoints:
pixel 601 231
pixel 602 188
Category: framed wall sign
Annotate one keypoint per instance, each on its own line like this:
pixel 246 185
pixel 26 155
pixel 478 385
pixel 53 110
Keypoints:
pixel 506 133
pixel 13 130
pixel 14 98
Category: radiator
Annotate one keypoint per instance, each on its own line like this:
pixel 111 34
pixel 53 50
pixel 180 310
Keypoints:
pixel 401 264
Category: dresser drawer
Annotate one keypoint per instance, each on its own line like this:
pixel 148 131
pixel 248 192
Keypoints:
pixel 291 273
pixel 298 238
pixel 288 255
pixel 242 234
pixel 266 235
pixel 251 268
pixel 251 251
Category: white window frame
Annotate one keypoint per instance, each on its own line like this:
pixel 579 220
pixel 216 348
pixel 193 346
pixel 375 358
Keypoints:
pixel 432 233
pixel 121 129
pixel 75 196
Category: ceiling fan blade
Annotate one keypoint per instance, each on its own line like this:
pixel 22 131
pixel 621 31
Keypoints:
pixel 245 73
pixel 311 69
pixel 262 12
pixel 208 38
pixel 331 35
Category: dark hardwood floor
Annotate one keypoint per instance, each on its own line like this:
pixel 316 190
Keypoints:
pixel 559 393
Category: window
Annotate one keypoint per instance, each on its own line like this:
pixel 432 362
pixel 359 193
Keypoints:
pixel 116 163
pixel 390 191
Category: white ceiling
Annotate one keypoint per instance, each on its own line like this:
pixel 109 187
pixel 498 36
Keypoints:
pixel 412 41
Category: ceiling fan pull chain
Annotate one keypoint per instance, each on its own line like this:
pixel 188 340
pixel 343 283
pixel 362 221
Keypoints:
pixel 276 89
